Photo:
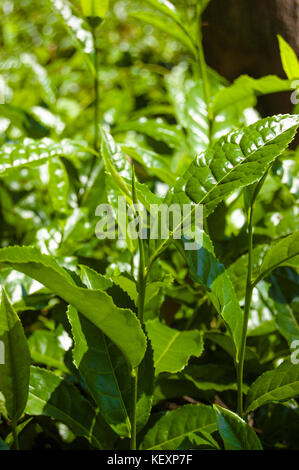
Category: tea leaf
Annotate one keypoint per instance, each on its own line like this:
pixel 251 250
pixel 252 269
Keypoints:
pixel 94 8
pixel 172 348
pixel 3 446
pixel 167 26
pixel 49 395
pixel 237 160
pixel 279 384
pixel 104 370
pixel 31 153
pixel 242 93
pixel 169 431
pixel 14 373
pixel 284 252
pixel 120 325
pixel 58 184
pixel 206 269
pixel 289 59
pixel 236 434
pixel 166 7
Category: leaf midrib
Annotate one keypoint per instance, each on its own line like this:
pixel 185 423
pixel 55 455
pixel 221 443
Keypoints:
pixel 270 392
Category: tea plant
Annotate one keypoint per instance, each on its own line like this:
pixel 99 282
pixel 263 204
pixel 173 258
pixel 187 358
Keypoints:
pixel 140 343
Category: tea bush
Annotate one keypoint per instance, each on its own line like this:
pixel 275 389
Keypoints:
pixel 119 342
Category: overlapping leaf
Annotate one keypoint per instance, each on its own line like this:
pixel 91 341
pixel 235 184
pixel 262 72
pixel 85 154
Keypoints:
pixel 169 431
pixel 236 434
pixel 120 325
pixel 209 272
pixel 279 384
pixel 35 152
pixel 14 372
pixel 237 160
pixel 284 252
pixel 173 348
pixel 49 395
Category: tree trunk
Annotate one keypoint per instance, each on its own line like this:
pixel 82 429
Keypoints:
pixel 240 37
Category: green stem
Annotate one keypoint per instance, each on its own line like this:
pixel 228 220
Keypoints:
pixel 141 299
pixel 96 93
pixel 96 111
pixel 15 435
pixel 203 65
pixel 134 405
pixel 248 296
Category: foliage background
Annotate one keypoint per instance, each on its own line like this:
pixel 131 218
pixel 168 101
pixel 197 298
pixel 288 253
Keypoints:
pixel 49 93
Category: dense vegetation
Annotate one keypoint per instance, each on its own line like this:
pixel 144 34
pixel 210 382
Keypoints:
pixel 140 343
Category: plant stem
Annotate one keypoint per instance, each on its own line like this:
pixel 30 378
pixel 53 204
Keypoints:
pixel 134 376
pixel 248 296
pixel 203 65
pixel 15 435
pixel 96 111
pixel 96 92
pixel 249 288
pixel 141 298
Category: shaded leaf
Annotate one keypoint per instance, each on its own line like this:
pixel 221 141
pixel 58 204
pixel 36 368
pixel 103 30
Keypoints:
pixel 284 252
pixel 275 385
pixel 49 395
pixel 104 370
pixel 170 430
pixel 236 434
pixel 14 373
pixel 210 273
pixel 120 325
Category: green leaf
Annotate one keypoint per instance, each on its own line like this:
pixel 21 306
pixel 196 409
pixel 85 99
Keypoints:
pixel 242 93
pixel 58 184
pixel 166 7
pixel 14 373
pixel 187 96
pixel 158 129
pixel 49 395
pixel 210 273
pixel 289 59
pixel 32 153
pixel 24 121
pixel 284 252
pixel 236 160
pixel 154 163
pixel 104 371
pixel 94 8
pixel 172 348
pixel 3 446
pixel 145 388
pixel 45 348
pixel 167 26
pixel 94 280
pixel 279 384
pixel 236 434
pixel 118 166
pixel 285 318
pixel 76 26
pixel 211 377
pixel 120 325
pixel 169 431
